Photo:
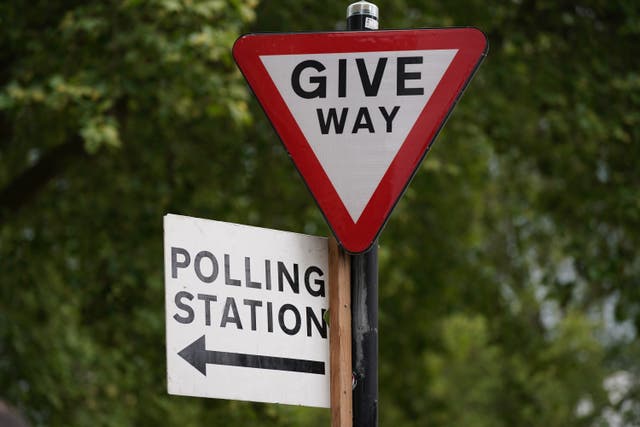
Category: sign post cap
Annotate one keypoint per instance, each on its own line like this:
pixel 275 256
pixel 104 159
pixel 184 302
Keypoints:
pixel 362 8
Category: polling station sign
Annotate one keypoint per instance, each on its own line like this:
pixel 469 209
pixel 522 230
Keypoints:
pixel 245 312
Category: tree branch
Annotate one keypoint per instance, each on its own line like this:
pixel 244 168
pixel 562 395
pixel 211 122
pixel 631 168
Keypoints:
pixel 24 187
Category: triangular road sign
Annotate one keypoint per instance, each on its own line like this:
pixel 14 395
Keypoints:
pixel 357 111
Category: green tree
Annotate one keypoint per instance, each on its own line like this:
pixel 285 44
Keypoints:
pixel 508 272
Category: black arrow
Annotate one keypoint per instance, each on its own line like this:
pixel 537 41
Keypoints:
pixel 198 356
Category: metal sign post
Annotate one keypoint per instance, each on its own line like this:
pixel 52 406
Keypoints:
pixel 364 326
pixel 363 15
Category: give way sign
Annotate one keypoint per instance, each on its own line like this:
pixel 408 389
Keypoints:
pixel 358 111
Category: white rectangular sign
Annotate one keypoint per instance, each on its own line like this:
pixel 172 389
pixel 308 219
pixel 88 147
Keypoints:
pixel 245 312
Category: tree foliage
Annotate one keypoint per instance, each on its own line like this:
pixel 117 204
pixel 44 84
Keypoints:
pixel 509 275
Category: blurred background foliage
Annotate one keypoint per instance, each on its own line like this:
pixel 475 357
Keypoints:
pixel 509 272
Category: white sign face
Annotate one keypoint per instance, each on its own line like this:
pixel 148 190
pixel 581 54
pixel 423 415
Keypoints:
pixel 245 312
pixel 356 109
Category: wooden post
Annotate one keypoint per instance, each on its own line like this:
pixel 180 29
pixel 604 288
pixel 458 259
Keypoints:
pixel 340 335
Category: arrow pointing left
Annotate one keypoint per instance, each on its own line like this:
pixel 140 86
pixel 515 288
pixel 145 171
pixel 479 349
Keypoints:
pixel 198 356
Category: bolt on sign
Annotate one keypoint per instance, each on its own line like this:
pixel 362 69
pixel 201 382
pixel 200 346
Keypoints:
pixel 245 312
pixel 358 111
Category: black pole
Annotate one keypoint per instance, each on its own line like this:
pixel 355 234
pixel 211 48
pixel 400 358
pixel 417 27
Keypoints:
pixel 363 15
pixel 364 338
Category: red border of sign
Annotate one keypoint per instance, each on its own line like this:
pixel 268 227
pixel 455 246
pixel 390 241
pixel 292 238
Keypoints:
pixel 357 237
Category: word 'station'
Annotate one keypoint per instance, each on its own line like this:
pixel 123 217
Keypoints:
pixel 245 312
